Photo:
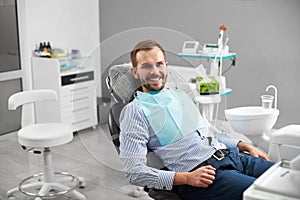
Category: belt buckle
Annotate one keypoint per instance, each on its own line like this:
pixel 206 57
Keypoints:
pixel 221 157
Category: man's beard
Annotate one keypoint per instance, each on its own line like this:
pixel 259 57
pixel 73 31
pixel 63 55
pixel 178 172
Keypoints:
pixel 150 88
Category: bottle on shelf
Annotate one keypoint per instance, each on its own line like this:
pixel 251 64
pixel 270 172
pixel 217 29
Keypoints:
pixel 49 48
pixel 41 48
pixel 45 47
pixel 74 58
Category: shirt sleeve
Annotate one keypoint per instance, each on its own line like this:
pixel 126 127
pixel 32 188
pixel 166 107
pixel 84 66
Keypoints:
pixel 225 139
pixel 134 137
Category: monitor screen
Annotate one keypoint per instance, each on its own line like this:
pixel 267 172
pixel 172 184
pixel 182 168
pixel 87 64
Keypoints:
pixel 189 45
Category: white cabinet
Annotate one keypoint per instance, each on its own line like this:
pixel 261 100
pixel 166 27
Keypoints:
pixel 76 90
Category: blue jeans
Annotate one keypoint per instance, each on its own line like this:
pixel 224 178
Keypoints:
pixel 234 174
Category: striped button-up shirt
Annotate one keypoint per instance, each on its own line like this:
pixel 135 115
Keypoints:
pixel 137 137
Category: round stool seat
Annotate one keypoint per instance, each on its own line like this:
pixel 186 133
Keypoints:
pixel 45 135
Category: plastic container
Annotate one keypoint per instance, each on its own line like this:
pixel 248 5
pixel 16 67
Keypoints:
pixel 267 101
pixel 74 58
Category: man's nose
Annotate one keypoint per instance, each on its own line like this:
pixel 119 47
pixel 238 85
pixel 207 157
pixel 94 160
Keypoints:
pixel 154 70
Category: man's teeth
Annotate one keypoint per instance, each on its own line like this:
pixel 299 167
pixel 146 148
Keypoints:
pixel 154 79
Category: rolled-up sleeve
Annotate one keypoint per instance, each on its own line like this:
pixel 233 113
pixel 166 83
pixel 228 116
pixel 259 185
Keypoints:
pixel 133 150
pixel 225 139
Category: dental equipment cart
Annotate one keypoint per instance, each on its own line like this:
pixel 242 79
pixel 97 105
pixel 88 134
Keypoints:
pixel 206 102
pixel 215 53
pixel 281 181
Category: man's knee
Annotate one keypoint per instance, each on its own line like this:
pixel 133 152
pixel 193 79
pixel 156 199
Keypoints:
pixel 231 184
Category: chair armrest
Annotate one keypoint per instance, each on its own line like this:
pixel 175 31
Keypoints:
pixel 289 135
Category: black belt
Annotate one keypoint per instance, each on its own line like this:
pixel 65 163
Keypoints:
pixel 218 155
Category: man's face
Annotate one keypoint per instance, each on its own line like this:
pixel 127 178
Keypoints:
pixel 151 69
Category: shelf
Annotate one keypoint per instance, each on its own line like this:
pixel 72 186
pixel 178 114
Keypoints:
pixel 207 56
pixel 208 99
pixel 75 65
pixel 226 92
pixel 215 98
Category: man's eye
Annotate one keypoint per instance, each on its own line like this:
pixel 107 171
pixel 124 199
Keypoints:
pixel 146 66
pixel 159 64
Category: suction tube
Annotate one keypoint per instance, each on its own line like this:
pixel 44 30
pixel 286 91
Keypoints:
pixel 275 89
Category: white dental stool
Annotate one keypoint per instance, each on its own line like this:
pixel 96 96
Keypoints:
pixel 35 136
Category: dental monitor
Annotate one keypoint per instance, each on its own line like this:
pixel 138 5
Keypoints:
pixel 190 47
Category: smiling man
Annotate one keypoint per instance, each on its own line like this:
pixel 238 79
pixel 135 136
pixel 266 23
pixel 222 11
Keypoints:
pixel 203 164
pixel 153 65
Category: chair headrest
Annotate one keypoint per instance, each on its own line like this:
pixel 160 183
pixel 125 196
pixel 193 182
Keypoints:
pixel 123 82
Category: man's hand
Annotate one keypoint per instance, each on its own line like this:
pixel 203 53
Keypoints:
pixel 253 151
pixel 201 177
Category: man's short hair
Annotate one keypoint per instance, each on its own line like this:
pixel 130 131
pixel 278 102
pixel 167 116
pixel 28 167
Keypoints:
pixel 144 45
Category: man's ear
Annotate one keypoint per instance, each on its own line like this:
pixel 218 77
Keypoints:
pixel 133 71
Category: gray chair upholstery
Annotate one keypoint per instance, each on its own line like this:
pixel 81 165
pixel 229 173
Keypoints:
pixel 122 83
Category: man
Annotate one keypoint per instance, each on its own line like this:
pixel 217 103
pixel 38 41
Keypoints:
pixel 203 163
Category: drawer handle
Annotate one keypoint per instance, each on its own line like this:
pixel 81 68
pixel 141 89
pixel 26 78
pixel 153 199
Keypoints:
pixel 80 109
pixel 78 89
pixel 79 78
pixel 79 99
pixel 81 121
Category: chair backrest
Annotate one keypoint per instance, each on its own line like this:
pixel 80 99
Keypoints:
pixel 113 122
pixel 26 99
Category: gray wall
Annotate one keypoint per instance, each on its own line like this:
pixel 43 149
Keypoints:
pixel 264 34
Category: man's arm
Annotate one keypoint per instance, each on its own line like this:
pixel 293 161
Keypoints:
pixel 253 151
pixel 242 146
pixel 133 150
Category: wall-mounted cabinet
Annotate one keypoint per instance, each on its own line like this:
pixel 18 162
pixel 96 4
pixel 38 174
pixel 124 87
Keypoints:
pixel 76 89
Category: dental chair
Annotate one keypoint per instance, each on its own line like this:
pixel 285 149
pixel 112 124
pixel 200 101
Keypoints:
pixel 39 138
pixel 122 86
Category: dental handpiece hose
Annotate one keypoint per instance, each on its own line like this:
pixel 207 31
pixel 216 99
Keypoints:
pixel 220 47
pixel 221 34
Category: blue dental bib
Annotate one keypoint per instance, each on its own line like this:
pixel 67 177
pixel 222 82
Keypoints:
pixel 171 114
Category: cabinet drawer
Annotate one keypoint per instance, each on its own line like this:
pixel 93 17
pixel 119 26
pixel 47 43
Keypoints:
pixel 70 90
pixel 77 78
pixel 76 98
pixel 81 119
pixel 77 108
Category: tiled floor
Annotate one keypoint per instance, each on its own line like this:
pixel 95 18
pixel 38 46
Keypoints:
pixel 91 155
